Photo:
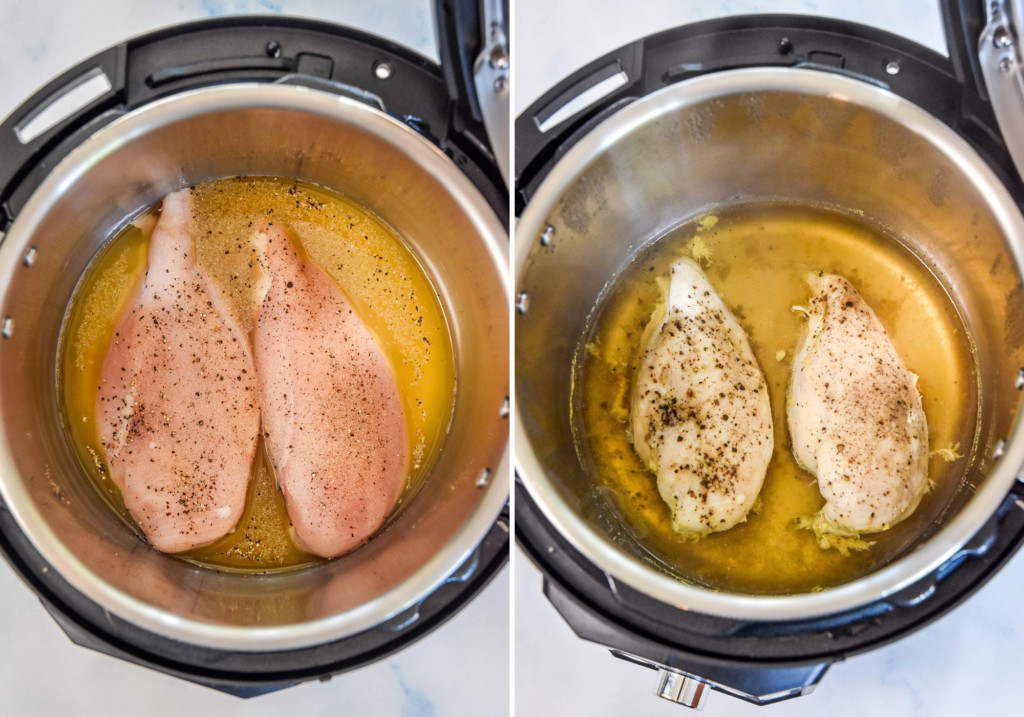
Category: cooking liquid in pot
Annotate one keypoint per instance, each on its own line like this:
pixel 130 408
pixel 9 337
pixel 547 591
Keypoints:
pixel 379 275
pixel 756 257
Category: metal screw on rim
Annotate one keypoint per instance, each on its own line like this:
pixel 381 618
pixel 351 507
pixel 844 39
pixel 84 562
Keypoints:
pixel 484 478
pixel 545 237
pixel 499 60
pixel 1000 449
pixel 523 302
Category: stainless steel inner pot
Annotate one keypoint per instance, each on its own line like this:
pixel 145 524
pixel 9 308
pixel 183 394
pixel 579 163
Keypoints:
pixel 750 135
pixel 290 132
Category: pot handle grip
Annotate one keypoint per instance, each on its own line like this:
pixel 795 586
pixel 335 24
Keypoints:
pixel 571 108
pixel 964 23
pixel 473 45
pixel 70 102
pixel 553 123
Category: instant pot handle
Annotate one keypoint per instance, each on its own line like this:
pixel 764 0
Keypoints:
pixel 76 103
pixel 387 76
pixel 964 23
pixel 569 110
pixel 984 48
pixel 472 41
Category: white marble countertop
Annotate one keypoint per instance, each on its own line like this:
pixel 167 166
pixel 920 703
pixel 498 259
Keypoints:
pixel 965 663
pixel 460 669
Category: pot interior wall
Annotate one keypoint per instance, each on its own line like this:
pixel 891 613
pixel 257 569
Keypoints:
pixel 290 133
pixel 680 156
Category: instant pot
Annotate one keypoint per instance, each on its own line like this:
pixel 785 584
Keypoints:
pixel 768 108
pixel 422 146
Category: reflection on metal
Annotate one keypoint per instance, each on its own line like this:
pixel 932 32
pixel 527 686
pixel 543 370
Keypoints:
pixel 545 237
pixel 682 689
pixel 78 93
pixel 523 302
pixel 1001 64
pixel 484 478
pixel 490 78
pixel 1000 450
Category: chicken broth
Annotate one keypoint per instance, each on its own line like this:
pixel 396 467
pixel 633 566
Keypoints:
pixel 381 278
pixel 757 257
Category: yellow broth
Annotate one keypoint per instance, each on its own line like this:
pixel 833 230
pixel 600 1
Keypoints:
pixel 377 272
pixel 756 257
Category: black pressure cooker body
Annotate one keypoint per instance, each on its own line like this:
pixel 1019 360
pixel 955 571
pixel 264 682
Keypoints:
pixel 760 661
pixel 345 63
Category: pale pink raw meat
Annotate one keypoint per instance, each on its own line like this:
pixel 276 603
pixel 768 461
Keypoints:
pixel 178 407
pixel 332 415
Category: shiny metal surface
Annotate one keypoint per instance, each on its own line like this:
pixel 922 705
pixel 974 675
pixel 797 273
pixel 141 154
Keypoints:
pixel 762 134
pixel 490 78
pixel 682 689
pixel 1002 66
pixel 281 131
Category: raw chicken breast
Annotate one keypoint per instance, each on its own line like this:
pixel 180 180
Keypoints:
pixel 332 414
pixel 700 414
pixel 855 415
pixel 177 408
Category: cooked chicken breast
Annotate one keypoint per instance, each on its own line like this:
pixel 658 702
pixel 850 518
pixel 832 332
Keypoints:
pixel 700 414
pixel 332 414
pixel 177 407
pixel 854 413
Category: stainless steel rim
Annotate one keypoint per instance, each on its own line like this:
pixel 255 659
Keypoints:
pixel 927 557
pixel 429 576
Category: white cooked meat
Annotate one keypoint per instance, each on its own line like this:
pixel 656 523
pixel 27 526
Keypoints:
pixel 700 414
pixel 854 413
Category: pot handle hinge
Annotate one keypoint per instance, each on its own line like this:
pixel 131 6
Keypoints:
pixel 1001 66
pixel 473 44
